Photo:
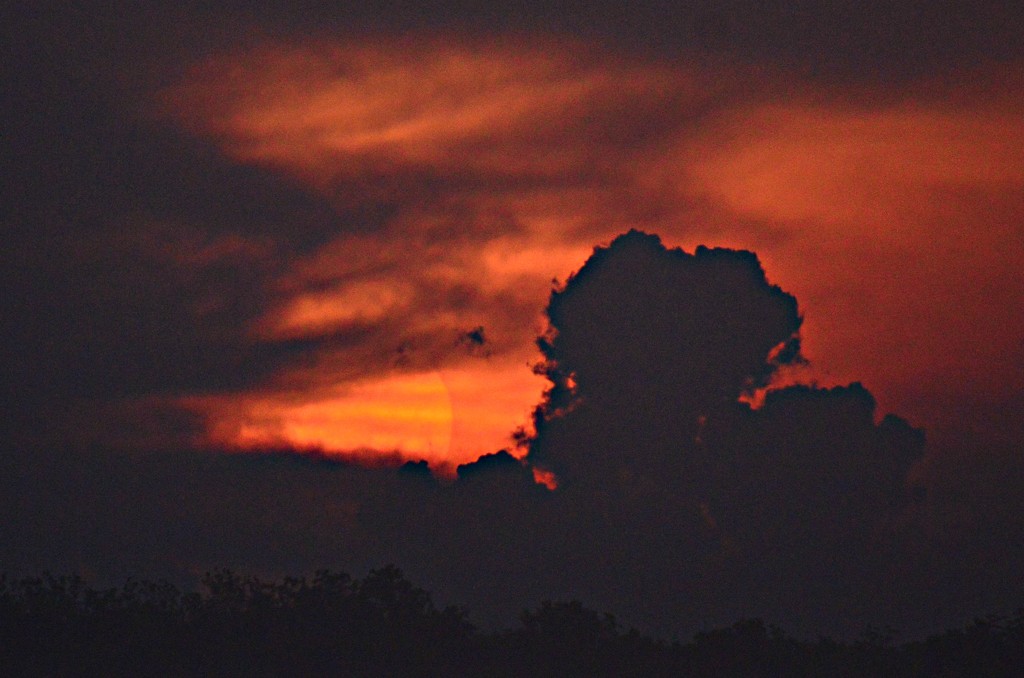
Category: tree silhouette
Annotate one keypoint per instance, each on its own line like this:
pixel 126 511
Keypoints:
pixel 383 625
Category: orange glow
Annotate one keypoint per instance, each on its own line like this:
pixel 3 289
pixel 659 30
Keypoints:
pixel 801 162
pixel 489 402
pixel 354 303
pixel 545 478
pixel 409 414
pixel 446 418
pixel 896 223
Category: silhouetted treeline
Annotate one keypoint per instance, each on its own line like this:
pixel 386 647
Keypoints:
pixel 383 625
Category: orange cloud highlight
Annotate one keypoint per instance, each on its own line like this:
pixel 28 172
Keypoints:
pixel 330 111
pixel 401 413
pixel 359 302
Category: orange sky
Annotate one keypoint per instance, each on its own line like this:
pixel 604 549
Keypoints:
pixel 894 219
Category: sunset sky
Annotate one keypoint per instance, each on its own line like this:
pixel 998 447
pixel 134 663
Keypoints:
pixel 492 167
pixel 336 229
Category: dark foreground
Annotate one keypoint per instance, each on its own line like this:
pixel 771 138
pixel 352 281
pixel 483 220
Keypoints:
pixel 383 625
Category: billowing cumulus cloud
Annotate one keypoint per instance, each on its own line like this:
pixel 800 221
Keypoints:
pixel 648 352
pixel 647 343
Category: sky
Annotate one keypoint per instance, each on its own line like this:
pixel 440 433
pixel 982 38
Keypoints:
pixel 259 257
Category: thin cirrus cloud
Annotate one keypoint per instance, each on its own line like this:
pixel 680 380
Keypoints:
pixel 495 167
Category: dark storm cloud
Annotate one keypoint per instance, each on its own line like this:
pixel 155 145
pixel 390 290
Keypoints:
pixel 136 258
pixel 829 39
pixel 79 153
pixel 860 40
pixel 105 316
